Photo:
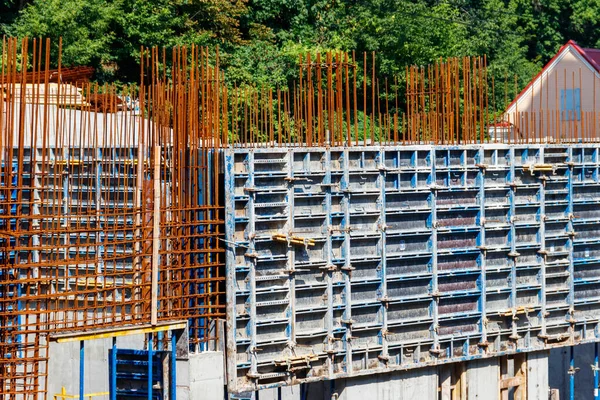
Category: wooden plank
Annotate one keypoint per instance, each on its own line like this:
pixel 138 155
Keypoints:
pixel 446 382
pixel 521 372
pixel 512 382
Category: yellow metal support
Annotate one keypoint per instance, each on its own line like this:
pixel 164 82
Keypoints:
pixel 532 168
pixel 74 162
pixel 294 239
pixel 104 334
pixel 63 395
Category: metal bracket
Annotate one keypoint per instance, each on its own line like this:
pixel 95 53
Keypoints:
pixel 573 370
pixel 280 237
pixel 436 351
pixel 533 168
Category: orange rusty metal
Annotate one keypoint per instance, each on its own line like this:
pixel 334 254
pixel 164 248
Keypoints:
pixel 77 199
pixel 77 205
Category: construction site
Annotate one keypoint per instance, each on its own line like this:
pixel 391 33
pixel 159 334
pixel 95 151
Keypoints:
pixel 345 237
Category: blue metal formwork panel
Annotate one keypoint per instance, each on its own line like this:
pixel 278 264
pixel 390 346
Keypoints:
pixel 132 369
pixel 353 261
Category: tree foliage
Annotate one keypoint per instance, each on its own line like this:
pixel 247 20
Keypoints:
pixel 260 40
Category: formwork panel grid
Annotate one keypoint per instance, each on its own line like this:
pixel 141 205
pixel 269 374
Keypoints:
pixel 405 256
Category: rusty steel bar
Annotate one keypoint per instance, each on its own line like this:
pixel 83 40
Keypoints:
pixel 98 230
pixel 79 203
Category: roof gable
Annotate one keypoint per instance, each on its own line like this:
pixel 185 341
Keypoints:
pixel 589 57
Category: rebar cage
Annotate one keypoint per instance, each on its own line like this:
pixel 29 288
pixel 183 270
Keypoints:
pixel 110 214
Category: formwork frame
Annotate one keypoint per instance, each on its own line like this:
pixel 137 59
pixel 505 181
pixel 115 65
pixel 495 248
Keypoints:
pixel 399 257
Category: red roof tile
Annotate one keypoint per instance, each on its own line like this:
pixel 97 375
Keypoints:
pixel 592 56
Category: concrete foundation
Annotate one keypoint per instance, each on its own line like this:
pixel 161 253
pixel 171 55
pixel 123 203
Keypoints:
pixel 63 365
pixel 206 376
pixel 202 376
pixel 481 381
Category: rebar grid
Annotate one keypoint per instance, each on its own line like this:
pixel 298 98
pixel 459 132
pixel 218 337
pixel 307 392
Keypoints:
pixel 82 186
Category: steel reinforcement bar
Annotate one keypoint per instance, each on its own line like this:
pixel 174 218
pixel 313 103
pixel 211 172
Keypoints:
pixel 110 213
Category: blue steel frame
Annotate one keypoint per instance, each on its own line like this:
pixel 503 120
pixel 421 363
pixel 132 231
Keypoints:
pixel 595 368
pixel 413 256
pixel 150 354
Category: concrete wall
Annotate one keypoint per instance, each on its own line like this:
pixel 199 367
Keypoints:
pixel 482 379
pixel 406 385
pixel 63 364
pixel 422 384
pixel 415 384
pixel 206 376
pixel 537 375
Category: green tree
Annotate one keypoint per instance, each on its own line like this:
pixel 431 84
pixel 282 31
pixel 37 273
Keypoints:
pixel 260 40
pixel 84 25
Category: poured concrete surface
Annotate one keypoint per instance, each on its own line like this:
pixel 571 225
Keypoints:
pixel 482 383
pixel 206 376
pixel 63 364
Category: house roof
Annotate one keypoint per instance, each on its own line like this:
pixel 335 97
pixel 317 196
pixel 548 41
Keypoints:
pixel 592 56
pixel 72 75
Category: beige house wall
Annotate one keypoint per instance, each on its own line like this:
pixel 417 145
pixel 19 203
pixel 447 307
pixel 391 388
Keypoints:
pixel 536 114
